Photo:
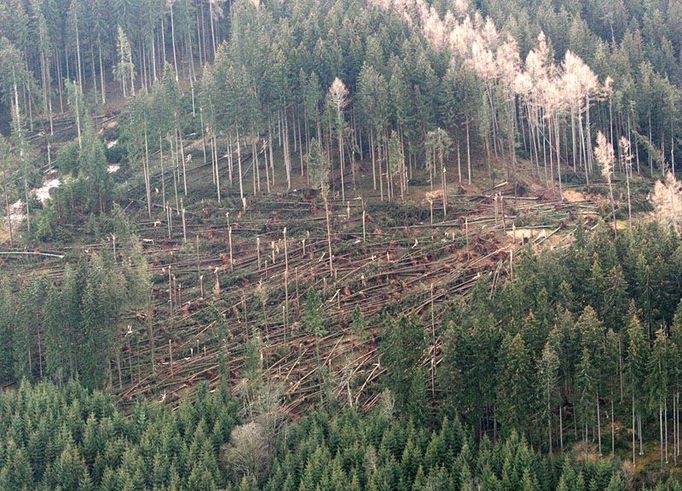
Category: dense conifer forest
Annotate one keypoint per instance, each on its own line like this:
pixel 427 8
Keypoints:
pixel 340 244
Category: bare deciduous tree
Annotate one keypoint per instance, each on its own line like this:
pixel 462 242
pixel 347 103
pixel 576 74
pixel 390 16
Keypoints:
pixel 247 452
pixel 667 200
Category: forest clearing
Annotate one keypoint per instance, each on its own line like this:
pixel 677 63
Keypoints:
pixel 345 244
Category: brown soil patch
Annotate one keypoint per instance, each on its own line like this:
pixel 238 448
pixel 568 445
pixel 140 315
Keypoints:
pixel 573 196
pixel 4 233
pixel 433 195
pixel 111 124
pixel 528 233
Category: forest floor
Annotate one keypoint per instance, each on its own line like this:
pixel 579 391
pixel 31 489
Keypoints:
pixel 255 266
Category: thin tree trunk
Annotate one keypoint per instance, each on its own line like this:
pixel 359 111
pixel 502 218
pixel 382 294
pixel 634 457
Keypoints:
pixel 287 155
pixel 147 177
pixel 101 69
pixel 374 168
pixel 329 236
pixel 239 168
pixel 613 429
pixel 660 427
pixel 561 428
pixel 468 154
pixel 163 176
pixel 150 330
pixel 78 51
pixel 175 55
pixel 634 445
pixel 549 418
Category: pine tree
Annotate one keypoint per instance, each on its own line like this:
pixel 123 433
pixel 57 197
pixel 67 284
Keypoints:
pixel 548 385
pixel 337 100
pixel 359 324
pixel 318 167
pixel 395 165
pixel 93 170
pixel 57 340
pixel 102 299
pixel 27 337
pixel 374 104
pixel 403 348
pixel 69 469
pixel 438 145
pixel 676 371
pixel 614 300
pixel 453 370
pixel 125 68
pixel 75 99
pixel 656 385
pixel 636 362
pixel 314 314
pixel 222 332
pixel 604 154
pixel 253 359
pixel 586 391
pixel 17 472
pixel 7 320
pixel 319 177
pixel 515 390
pixel 139 284
pixel 612 376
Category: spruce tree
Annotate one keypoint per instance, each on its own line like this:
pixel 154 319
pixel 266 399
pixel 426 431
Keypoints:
pixel 102 299
pixel 515 391
pixel 93 170
pixel 401 354
pixel 586 392
pixel 57 340
pixel 7 320
pixel 548 386
pixel 656 386
pixel 28 330
pixel 636 365
pixel 125 68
